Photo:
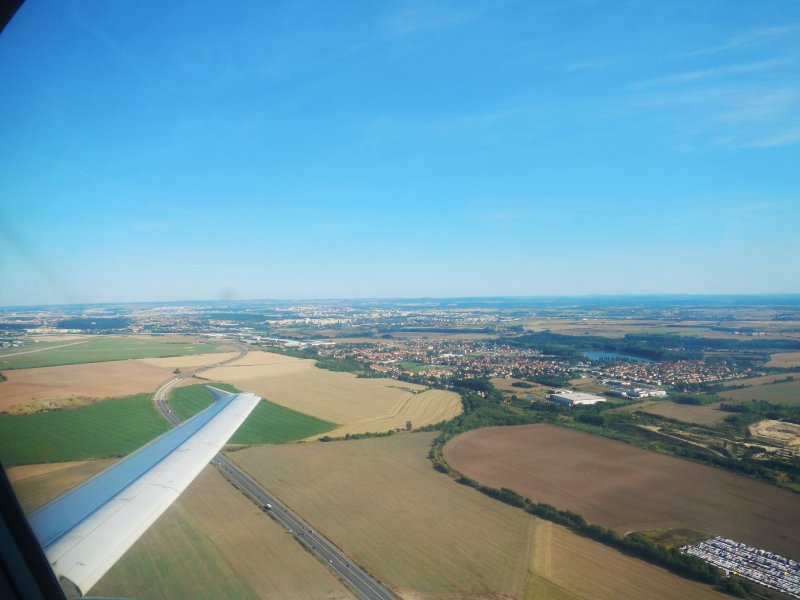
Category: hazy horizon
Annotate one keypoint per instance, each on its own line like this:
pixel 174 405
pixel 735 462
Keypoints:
pixel 154 152
pixel 551 300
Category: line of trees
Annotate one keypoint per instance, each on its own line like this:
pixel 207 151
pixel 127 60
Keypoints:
pixel 633 544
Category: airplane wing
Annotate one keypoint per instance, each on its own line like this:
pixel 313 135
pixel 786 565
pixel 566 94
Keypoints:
pixel 84 532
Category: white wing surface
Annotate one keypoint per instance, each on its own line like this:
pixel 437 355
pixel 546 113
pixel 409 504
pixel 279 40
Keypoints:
pixel 86 531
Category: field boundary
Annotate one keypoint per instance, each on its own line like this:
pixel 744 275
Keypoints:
pixel 632 544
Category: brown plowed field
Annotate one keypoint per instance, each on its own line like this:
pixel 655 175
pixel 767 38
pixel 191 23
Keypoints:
pixel 626 488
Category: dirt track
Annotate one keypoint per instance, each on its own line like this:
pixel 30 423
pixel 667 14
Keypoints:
pixel 626 488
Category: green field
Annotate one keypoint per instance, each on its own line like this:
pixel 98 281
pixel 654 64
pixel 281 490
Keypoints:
pixel 269 423
pixel 101 349
pixel 675 537
pixel 787 393
pixel 111 428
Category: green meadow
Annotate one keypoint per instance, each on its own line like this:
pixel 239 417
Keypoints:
pixel 109 428
pixel 101 349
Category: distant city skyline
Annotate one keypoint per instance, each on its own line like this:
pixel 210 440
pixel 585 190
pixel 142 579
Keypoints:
pixel 176 152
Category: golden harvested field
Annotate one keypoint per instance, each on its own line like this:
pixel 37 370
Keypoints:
pixel 423 408
pixel 215 543
pixel 415 529
pixel 504 384
pixel 428 537
pixel 188 362
pixel 46 387
pixel 36 485
pixel 699 414
pixel 627 488
pixel 754 381
pixel 565 566
pixel 360 405
pixel 786 360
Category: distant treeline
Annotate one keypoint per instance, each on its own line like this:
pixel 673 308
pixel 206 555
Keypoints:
pixel 652 346
pixel 572 347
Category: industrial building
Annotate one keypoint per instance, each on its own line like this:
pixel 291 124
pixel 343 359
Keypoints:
pixel 573 398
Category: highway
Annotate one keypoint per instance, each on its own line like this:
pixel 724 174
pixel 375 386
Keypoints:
pixel 347 571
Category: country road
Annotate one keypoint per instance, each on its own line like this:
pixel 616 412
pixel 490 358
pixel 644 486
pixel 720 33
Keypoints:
pixel 350 573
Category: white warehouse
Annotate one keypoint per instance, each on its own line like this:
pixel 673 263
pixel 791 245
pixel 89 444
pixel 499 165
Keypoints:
pixel 572 398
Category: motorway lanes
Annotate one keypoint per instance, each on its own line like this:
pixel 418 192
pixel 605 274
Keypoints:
pixel 348 571
pixel 315 543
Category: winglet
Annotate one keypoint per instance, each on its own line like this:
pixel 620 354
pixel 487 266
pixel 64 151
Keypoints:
pixel 218 393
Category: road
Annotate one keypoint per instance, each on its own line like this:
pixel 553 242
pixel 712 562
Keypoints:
pixel 350 573
pixel 314 542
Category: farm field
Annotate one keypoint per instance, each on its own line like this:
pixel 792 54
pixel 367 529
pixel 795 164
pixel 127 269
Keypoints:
pixel 587 385
pixel 504 384
pixel 360 404
pixel 615 328
pixel 188 362
pixel 763 380
pixel 428 537
pixel 626 488
pixel 381 502
pixel 423 408
pixel 30 390
pixel 110 428
pixel 775 393
pixel 104 348
pixel 785 360
pixel 269 423
pixel 565 566
pixel 192 552
pixel 688 413
pixel 36 485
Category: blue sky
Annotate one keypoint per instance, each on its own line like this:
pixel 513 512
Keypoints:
pixel 182 150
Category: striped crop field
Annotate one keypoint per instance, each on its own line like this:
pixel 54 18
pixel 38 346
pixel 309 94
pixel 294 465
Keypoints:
pixel 109 428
